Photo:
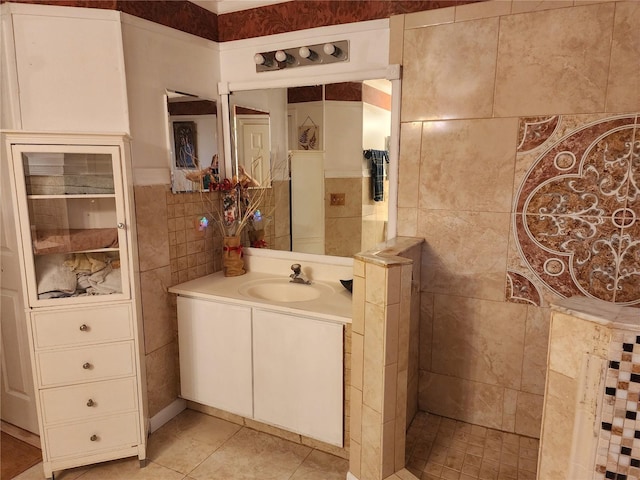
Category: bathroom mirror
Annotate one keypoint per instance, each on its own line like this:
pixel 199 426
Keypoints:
pixel 192 138
pixel 322 184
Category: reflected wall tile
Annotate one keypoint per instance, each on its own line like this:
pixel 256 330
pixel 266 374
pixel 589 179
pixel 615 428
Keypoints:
pixel 479 340
pixel 152 226
pixel 529 414
pixel 623 89
pixel 465 252
pixel 409 164
pixel 449 70
pixel 343 236
pixel 449 181
pixel 469 401
pixel 537 55
pixel 536 342
pixel 352 190
pixel 159 315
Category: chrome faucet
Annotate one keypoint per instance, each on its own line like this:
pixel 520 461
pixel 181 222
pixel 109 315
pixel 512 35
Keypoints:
pixel 297 276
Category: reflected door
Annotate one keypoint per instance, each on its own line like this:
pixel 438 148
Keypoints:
pixel 254 147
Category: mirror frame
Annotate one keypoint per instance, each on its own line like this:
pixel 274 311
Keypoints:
pixel 391 73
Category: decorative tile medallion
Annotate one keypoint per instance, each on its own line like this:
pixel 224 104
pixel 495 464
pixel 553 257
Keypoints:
pixel 577 221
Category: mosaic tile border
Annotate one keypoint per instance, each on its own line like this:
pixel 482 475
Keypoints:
pixel 618 453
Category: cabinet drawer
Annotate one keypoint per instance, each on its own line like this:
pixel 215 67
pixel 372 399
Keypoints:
pixel 95 399
pixel 86 438
pixel 82 326
pixel 100 362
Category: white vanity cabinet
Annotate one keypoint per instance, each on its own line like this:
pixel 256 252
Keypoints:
pixel 215 354
pixel 278 368
pixel 298 374
pixel 72 194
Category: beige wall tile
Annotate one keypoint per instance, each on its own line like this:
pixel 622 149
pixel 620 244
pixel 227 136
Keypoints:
pixel 396 36
pixel 394 284
pixel 355 459
pixel 352 190
pixel 623 89
pixel 561 67
pixel 152 226
pixel 376 284
pixel 358 302
pixel 426 330
pixel 429 17
pixel 356 415
pixel 357 359
pixel 450 181
pixel 529 414
pixel 558 426
pixel 158 310
pixel 409 164
pixel 571 337
pixel 536 342
pixel 372 378
pixel 391 335
pixel 479 340
pixel 371 456
pixel 449 71
pixel 469 401
pixel 465 253
pixel 388 448
pixel 473 11
pixel 162 377
pixel 407 221
pixel 390 392
pixel 509 408
pixel 523 6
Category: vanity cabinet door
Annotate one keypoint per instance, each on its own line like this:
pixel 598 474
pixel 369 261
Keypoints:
pixel 215 354
pixel 298 374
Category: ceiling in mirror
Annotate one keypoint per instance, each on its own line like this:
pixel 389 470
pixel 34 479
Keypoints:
pixel 193 139
pixel 324 174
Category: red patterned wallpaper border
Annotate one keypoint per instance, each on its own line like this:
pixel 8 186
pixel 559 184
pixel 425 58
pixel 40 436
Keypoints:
pixel 257 22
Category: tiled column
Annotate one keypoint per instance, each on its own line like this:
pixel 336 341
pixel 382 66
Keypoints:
pixel 380 349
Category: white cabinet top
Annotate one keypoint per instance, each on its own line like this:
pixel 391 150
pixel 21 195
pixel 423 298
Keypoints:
pixel 334 302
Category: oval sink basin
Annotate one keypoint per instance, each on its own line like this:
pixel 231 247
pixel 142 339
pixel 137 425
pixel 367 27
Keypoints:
pixel 282 290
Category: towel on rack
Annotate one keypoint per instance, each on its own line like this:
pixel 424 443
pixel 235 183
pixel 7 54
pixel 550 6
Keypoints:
pixel 379 160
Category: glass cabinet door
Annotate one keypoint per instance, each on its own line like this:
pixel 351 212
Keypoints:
pixel 73 223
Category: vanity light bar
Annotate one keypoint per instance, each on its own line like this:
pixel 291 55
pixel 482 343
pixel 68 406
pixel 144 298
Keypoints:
pixel 319 54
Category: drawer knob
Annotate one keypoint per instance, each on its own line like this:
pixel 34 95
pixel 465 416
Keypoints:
pixel 93 438
pixel 84 327
pixel 86 366
pixel 90 403
pixel 120 225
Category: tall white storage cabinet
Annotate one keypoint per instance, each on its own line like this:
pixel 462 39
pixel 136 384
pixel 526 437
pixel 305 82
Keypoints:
pixel 74 220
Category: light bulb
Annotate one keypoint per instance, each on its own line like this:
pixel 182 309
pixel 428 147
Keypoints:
pixel 331 49
pixel 259 59
pixel 283 56
pixel 306 52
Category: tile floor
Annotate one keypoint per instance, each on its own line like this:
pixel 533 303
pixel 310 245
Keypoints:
pixel 195 446
pixel 442 448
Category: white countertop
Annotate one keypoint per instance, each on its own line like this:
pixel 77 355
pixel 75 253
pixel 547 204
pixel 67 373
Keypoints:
pixel 598 311
pixel 334 307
